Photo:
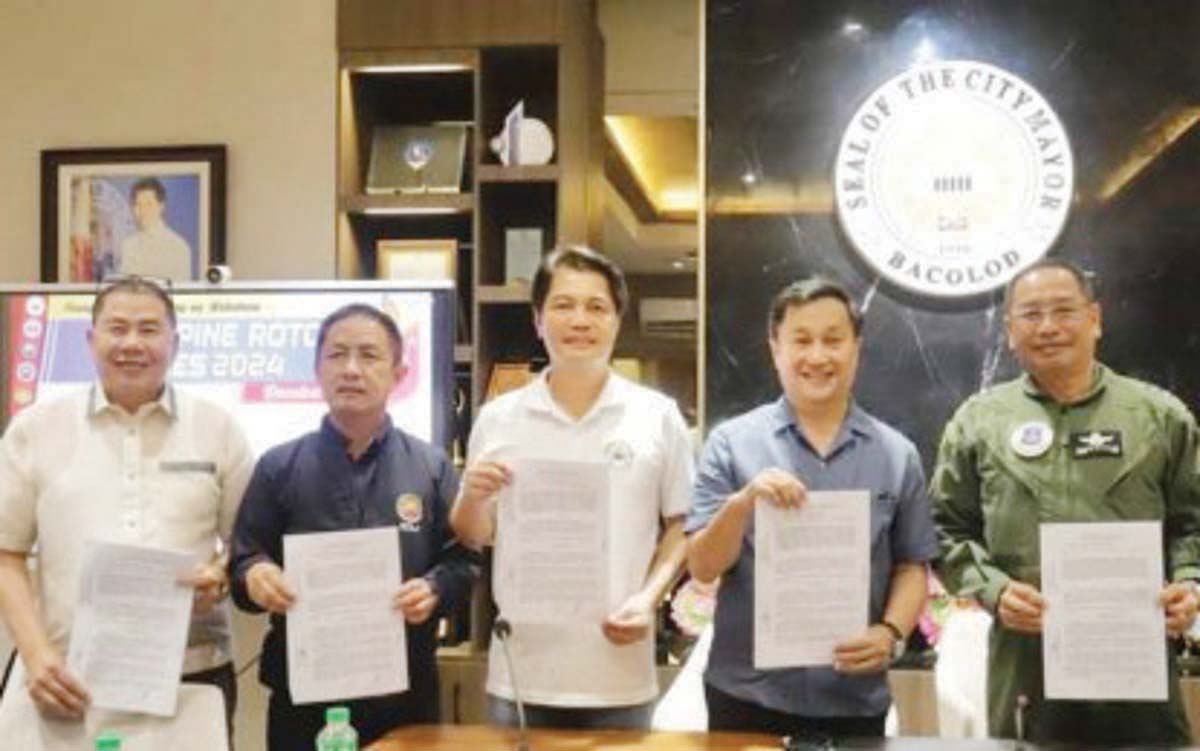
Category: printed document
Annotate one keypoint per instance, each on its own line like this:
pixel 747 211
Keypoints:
pixel 345 639
pixel 1103 630
pixel 552 547
pixel 131 626
pixel 812 577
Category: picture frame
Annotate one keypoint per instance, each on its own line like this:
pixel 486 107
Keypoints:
pixel 147 210
pixel 408 159
pixel 417 260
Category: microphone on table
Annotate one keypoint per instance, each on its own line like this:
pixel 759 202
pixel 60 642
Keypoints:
pixel 503 630
pixel 1019 712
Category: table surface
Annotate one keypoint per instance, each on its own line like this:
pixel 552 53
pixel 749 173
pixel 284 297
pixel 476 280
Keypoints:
pixel 485 738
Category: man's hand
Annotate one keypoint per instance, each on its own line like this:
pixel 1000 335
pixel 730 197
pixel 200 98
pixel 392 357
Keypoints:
pixel 482 480
pixel 54 690
pixel 416 600
pixel 777 487
pixel 209 586
pixel 869 652
pixel 266 586
pixel 1020 608
pixel 630 623
pixel 1179 603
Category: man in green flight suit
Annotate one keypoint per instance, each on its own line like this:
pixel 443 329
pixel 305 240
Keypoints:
pixel 1070 440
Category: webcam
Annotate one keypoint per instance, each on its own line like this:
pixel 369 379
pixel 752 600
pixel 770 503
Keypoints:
pixel 218 274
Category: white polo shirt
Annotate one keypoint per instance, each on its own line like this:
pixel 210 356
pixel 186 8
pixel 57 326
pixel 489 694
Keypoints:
pixel 642 436
pixel 78 468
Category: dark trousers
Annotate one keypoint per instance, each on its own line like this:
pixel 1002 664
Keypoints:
pixel 732 714
pixel 293 727
pixel 225 679
pixel 1107 723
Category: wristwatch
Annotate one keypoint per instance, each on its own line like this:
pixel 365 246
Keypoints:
pixel 899 641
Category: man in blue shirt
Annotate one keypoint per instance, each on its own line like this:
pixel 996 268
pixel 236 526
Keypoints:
pixel 813 438
pixel 358 471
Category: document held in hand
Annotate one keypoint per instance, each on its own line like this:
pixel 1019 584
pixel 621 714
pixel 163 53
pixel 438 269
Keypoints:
pixel 131 626
pixel 1103 630
pixel 812 577
pixel 345 639
pixel 552 543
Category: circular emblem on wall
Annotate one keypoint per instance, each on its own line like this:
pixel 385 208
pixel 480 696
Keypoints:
pixel 953 176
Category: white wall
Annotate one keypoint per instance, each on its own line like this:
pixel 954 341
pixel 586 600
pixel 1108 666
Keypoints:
pixel 256 75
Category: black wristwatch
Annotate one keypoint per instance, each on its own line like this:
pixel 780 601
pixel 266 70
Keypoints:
pixel 899 641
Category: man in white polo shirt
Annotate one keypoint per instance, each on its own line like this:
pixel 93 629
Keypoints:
pixel 129 460
pixel 579 410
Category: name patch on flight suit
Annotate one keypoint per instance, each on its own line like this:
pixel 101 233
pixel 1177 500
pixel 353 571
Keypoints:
pixel 1096 444
pixel 411 510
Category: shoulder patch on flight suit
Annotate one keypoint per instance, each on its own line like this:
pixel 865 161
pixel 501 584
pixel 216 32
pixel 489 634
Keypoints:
pixel 1095 444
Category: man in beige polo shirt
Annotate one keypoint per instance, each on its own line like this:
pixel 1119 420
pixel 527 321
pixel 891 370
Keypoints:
pixel 129 460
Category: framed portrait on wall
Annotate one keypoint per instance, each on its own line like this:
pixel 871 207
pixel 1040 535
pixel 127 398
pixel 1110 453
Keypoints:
pixel 151 211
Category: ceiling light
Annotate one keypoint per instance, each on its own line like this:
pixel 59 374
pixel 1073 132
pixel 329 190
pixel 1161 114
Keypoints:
pixel 413 68
pixel 408 210
pixel 1166 129
pixel 925 51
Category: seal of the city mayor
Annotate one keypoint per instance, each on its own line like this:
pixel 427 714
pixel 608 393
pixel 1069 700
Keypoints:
pixel 952 176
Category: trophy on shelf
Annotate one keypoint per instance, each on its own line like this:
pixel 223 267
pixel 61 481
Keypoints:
pixel 524 140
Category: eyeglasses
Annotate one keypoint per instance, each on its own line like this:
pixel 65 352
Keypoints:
pixel 1059 314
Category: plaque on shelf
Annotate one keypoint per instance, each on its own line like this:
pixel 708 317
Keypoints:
pixel 522 253
pixel 417 159
pixel 417 260
pixel 507 376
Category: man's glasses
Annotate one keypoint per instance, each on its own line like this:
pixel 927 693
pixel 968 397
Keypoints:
pixel 1059 314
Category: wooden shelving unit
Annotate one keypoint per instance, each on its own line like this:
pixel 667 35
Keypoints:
pixel 418 62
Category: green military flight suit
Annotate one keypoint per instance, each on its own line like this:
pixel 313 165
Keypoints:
pixel 1126 451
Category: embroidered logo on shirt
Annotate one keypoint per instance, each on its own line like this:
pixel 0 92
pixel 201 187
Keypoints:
pixel 1096 444
pixel 411 510
pixel 186 466
pixel 618 453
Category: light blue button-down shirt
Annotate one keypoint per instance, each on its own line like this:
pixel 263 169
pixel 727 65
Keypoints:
pixel 867 454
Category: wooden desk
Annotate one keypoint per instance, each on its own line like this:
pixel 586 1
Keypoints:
pixel 485 738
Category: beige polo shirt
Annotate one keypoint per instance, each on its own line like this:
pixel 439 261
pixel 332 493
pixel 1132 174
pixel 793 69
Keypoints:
pixel 78 468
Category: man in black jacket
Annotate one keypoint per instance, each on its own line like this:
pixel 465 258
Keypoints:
pixel 357 471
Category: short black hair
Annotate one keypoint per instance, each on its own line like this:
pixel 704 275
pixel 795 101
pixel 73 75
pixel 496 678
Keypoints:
pixel 134 285
pixel 366 311
pixel 149 183
pixel 1086 279
pixel 810 289
pixel 580 258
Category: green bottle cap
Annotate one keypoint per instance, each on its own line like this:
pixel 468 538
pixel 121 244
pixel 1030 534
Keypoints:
pixel 108 742
pixel 337 714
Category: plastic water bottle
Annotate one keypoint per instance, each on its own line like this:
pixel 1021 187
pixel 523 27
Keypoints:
pixel 338 734
pixel 108 742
